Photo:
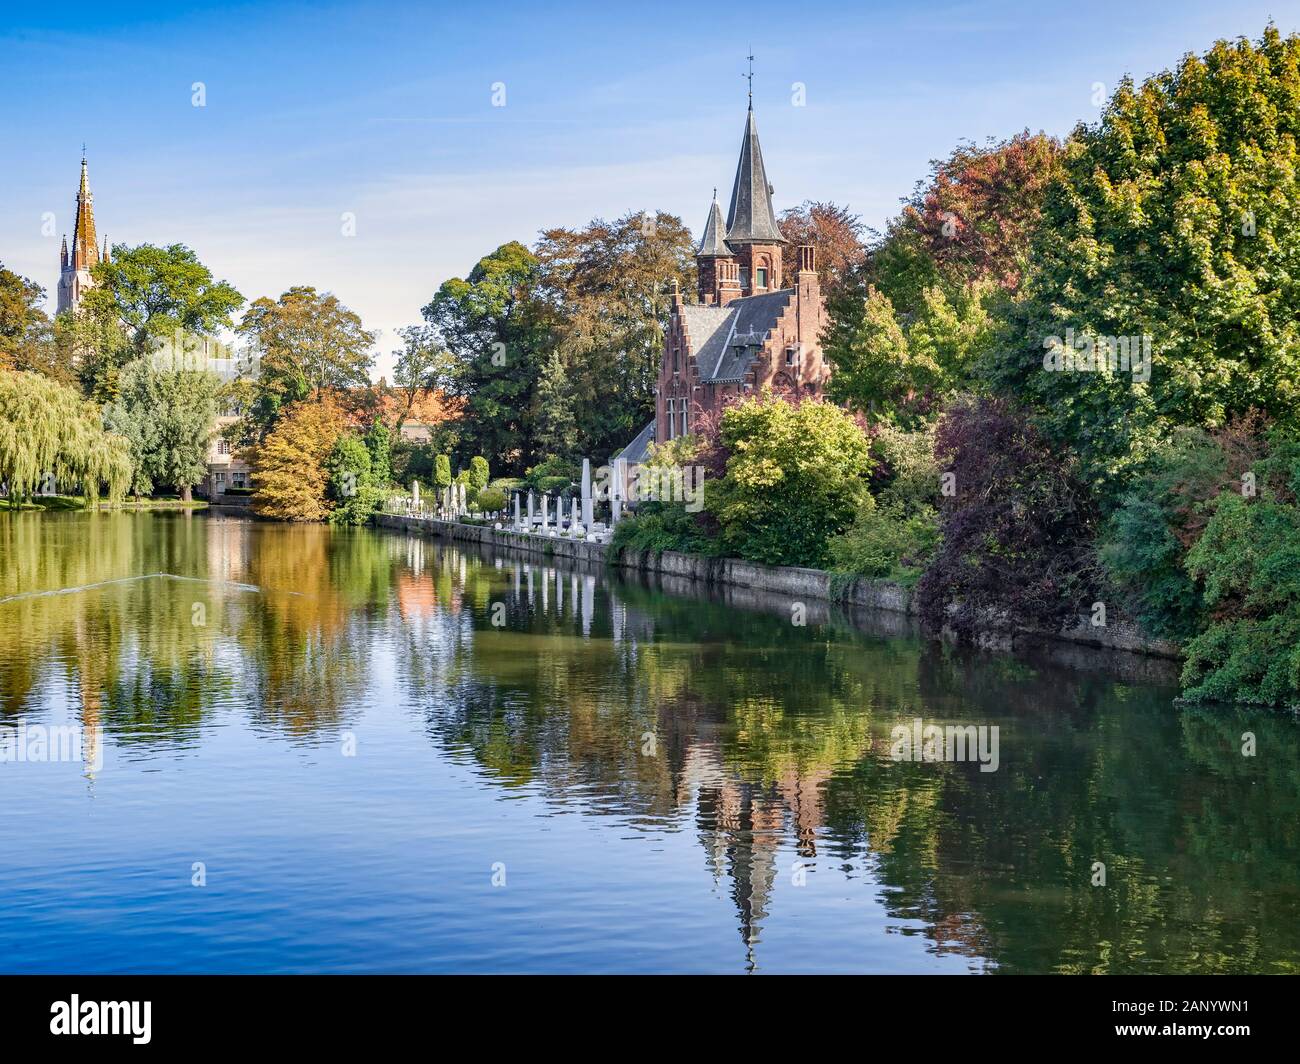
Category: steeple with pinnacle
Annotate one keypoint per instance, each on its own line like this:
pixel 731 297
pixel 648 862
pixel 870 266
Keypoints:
pixel 75 269
pixel 742 256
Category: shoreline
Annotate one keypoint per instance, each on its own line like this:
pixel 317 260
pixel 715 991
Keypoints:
pixel 788 582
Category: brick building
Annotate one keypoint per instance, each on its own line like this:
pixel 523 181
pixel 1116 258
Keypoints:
pixel 757 317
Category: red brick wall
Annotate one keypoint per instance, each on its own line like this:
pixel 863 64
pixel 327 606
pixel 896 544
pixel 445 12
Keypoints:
pixel 800 324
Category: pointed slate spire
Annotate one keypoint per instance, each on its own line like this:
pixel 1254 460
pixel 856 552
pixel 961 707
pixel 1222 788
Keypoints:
pixel 712 245
pixel 751 219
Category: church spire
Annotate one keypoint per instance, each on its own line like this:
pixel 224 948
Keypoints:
pixel 751 218
pixel 85 252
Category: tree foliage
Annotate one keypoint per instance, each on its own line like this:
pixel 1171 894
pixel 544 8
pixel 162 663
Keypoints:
pixel 290 471
pixel 609 286
pixel 422 368
pixel 796 474
pixel 25 334
pixel 834 232
pixel 169 417
pixel 47 429
pixel 306 342
pixel 497 329
pixel 1176 217
pixel 153 293
pixel 1017 528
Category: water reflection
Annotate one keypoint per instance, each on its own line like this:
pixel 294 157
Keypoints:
pixel 663 716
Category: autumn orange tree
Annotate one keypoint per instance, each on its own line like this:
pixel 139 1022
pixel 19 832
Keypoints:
pixel 290 467
pixel 834 232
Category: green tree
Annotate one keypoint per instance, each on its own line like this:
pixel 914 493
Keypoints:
pixel 796 474
pixel 354 488
pixel 379 442
pixel 442 471
pixel 1177 217
pixel 479 472
pixel 421 367
pixel 48 430
pixel 557 427
pixel 610 285
pixel 498 329
pixel 906 372
pixel 169 417
pixel 153 293
pixel 26 339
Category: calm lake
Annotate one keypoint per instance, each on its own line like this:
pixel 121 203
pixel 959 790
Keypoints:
pixel 310 750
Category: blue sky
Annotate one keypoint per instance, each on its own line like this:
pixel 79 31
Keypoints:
pixel 385 112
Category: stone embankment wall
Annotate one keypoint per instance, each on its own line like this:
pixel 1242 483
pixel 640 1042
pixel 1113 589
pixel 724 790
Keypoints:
pixel 677 571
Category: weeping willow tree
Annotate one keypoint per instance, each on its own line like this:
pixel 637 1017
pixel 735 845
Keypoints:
pixel 48 430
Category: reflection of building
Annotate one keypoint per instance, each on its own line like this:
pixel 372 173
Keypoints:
pixel 742 826
pixel 74 267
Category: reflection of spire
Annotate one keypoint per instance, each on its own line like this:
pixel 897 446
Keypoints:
pixel 91 729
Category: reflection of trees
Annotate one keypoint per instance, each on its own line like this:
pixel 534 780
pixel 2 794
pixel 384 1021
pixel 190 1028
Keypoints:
pixel 271 617
pixel 771 742
pixel 774 742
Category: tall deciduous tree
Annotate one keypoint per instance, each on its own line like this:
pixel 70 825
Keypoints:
pixel 153 293
pixel 306 342
pixel 25 336
pixel 169 417
pixel 610 285
pixel 972 218
pixel 498 329
pixel 836 234
pixel 1177 218
pixel 290 467
pixel 423 367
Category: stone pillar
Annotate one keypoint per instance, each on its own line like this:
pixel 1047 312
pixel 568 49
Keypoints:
pixel 518 521
pixel 616 489
pixel 529 527
pixel 587 510
pixel 546 516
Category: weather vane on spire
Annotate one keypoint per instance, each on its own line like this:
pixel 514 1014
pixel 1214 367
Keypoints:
pixel 750 76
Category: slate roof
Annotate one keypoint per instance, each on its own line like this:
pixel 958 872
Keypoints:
pixel 711 244
pixel 751 219
pixel 639 449
pixel 725 340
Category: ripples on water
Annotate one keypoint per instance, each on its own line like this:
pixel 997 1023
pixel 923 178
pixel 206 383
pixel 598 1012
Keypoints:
pixel 664 782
